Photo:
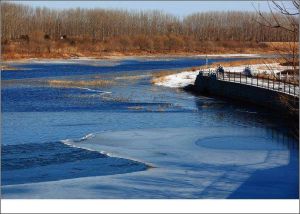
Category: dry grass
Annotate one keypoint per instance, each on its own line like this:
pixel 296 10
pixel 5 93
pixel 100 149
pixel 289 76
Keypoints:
pixel 161 75
pixel 130 77
pixel 266 76
pixel 71 83
pixel 158 79
pixel 15 50
pixel 280 45
pixel 7 67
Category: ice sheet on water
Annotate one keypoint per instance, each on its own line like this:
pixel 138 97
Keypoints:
pixel 183 145
pixel 188 163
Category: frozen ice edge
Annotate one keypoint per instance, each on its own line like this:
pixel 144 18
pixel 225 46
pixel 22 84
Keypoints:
pixel 75 144
pixel 184 170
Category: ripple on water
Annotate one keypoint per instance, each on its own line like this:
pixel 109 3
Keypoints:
pixel 30 163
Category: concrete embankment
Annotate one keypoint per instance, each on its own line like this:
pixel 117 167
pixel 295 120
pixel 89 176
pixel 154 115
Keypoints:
pixel 273 100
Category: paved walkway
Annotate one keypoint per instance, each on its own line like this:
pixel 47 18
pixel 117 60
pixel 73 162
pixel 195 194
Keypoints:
pixel 275 85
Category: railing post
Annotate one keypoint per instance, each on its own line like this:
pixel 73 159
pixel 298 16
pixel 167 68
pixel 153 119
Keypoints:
pixel 229 75
pixel 279 85
pixel 268 82
pixel 233 76
pixel 240 77
pixel 251 79
pixel 246 79
pixel 289 88
pixel 273 84
pixel 257 80
pixel 283 86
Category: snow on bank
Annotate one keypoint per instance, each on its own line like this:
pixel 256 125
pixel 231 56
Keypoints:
pixel 178 80
pixel 259 68
pixel 183 79
pixel 231 55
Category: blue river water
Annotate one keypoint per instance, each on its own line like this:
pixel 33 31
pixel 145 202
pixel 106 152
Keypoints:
pixel 37 116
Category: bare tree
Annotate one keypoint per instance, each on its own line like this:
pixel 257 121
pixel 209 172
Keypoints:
pixel 284 16
pixel 122 30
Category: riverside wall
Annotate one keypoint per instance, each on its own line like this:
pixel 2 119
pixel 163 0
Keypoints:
pixel 273 100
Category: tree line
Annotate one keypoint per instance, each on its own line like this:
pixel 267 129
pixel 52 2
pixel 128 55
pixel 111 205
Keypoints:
pixel 144 30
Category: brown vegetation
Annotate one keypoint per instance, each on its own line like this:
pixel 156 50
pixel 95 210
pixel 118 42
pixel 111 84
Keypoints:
pixel 130 78
pixel 7 67
pixel 160 75
pixel 70 83
pixel 48 33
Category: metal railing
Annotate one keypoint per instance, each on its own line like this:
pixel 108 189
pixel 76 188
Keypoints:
pixel 282 85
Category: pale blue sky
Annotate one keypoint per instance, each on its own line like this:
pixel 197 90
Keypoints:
pixel 180 8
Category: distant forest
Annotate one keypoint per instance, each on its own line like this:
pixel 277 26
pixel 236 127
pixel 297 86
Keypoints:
pixel 47 30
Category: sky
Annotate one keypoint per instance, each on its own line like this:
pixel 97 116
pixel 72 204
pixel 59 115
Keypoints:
pixel 178 8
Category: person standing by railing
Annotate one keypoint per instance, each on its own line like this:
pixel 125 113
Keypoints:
pixel 220 70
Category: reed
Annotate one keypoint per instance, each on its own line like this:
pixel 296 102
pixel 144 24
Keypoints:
pixel 82 83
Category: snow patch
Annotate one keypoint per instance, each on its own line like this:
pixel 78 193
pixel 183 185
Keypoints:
pixel 185 78
pixel 231 55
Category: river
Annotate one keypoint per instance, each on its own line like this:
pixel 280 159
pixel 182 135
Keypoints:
pixel 129 138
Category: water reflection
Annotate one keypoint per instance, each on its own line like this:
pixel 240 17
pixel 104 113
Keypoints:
pixel 223 111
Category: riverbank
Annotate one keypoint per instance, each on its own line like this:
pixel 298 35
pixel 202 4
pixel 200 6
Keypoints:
pixel 110 60
pixel 175 79
pixel 120 56
pixel 18 51
pixel 286 105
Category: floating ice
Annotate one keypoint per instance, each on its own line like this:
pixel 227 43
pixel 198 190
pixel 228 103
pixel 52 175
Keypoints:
pixel 187 163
